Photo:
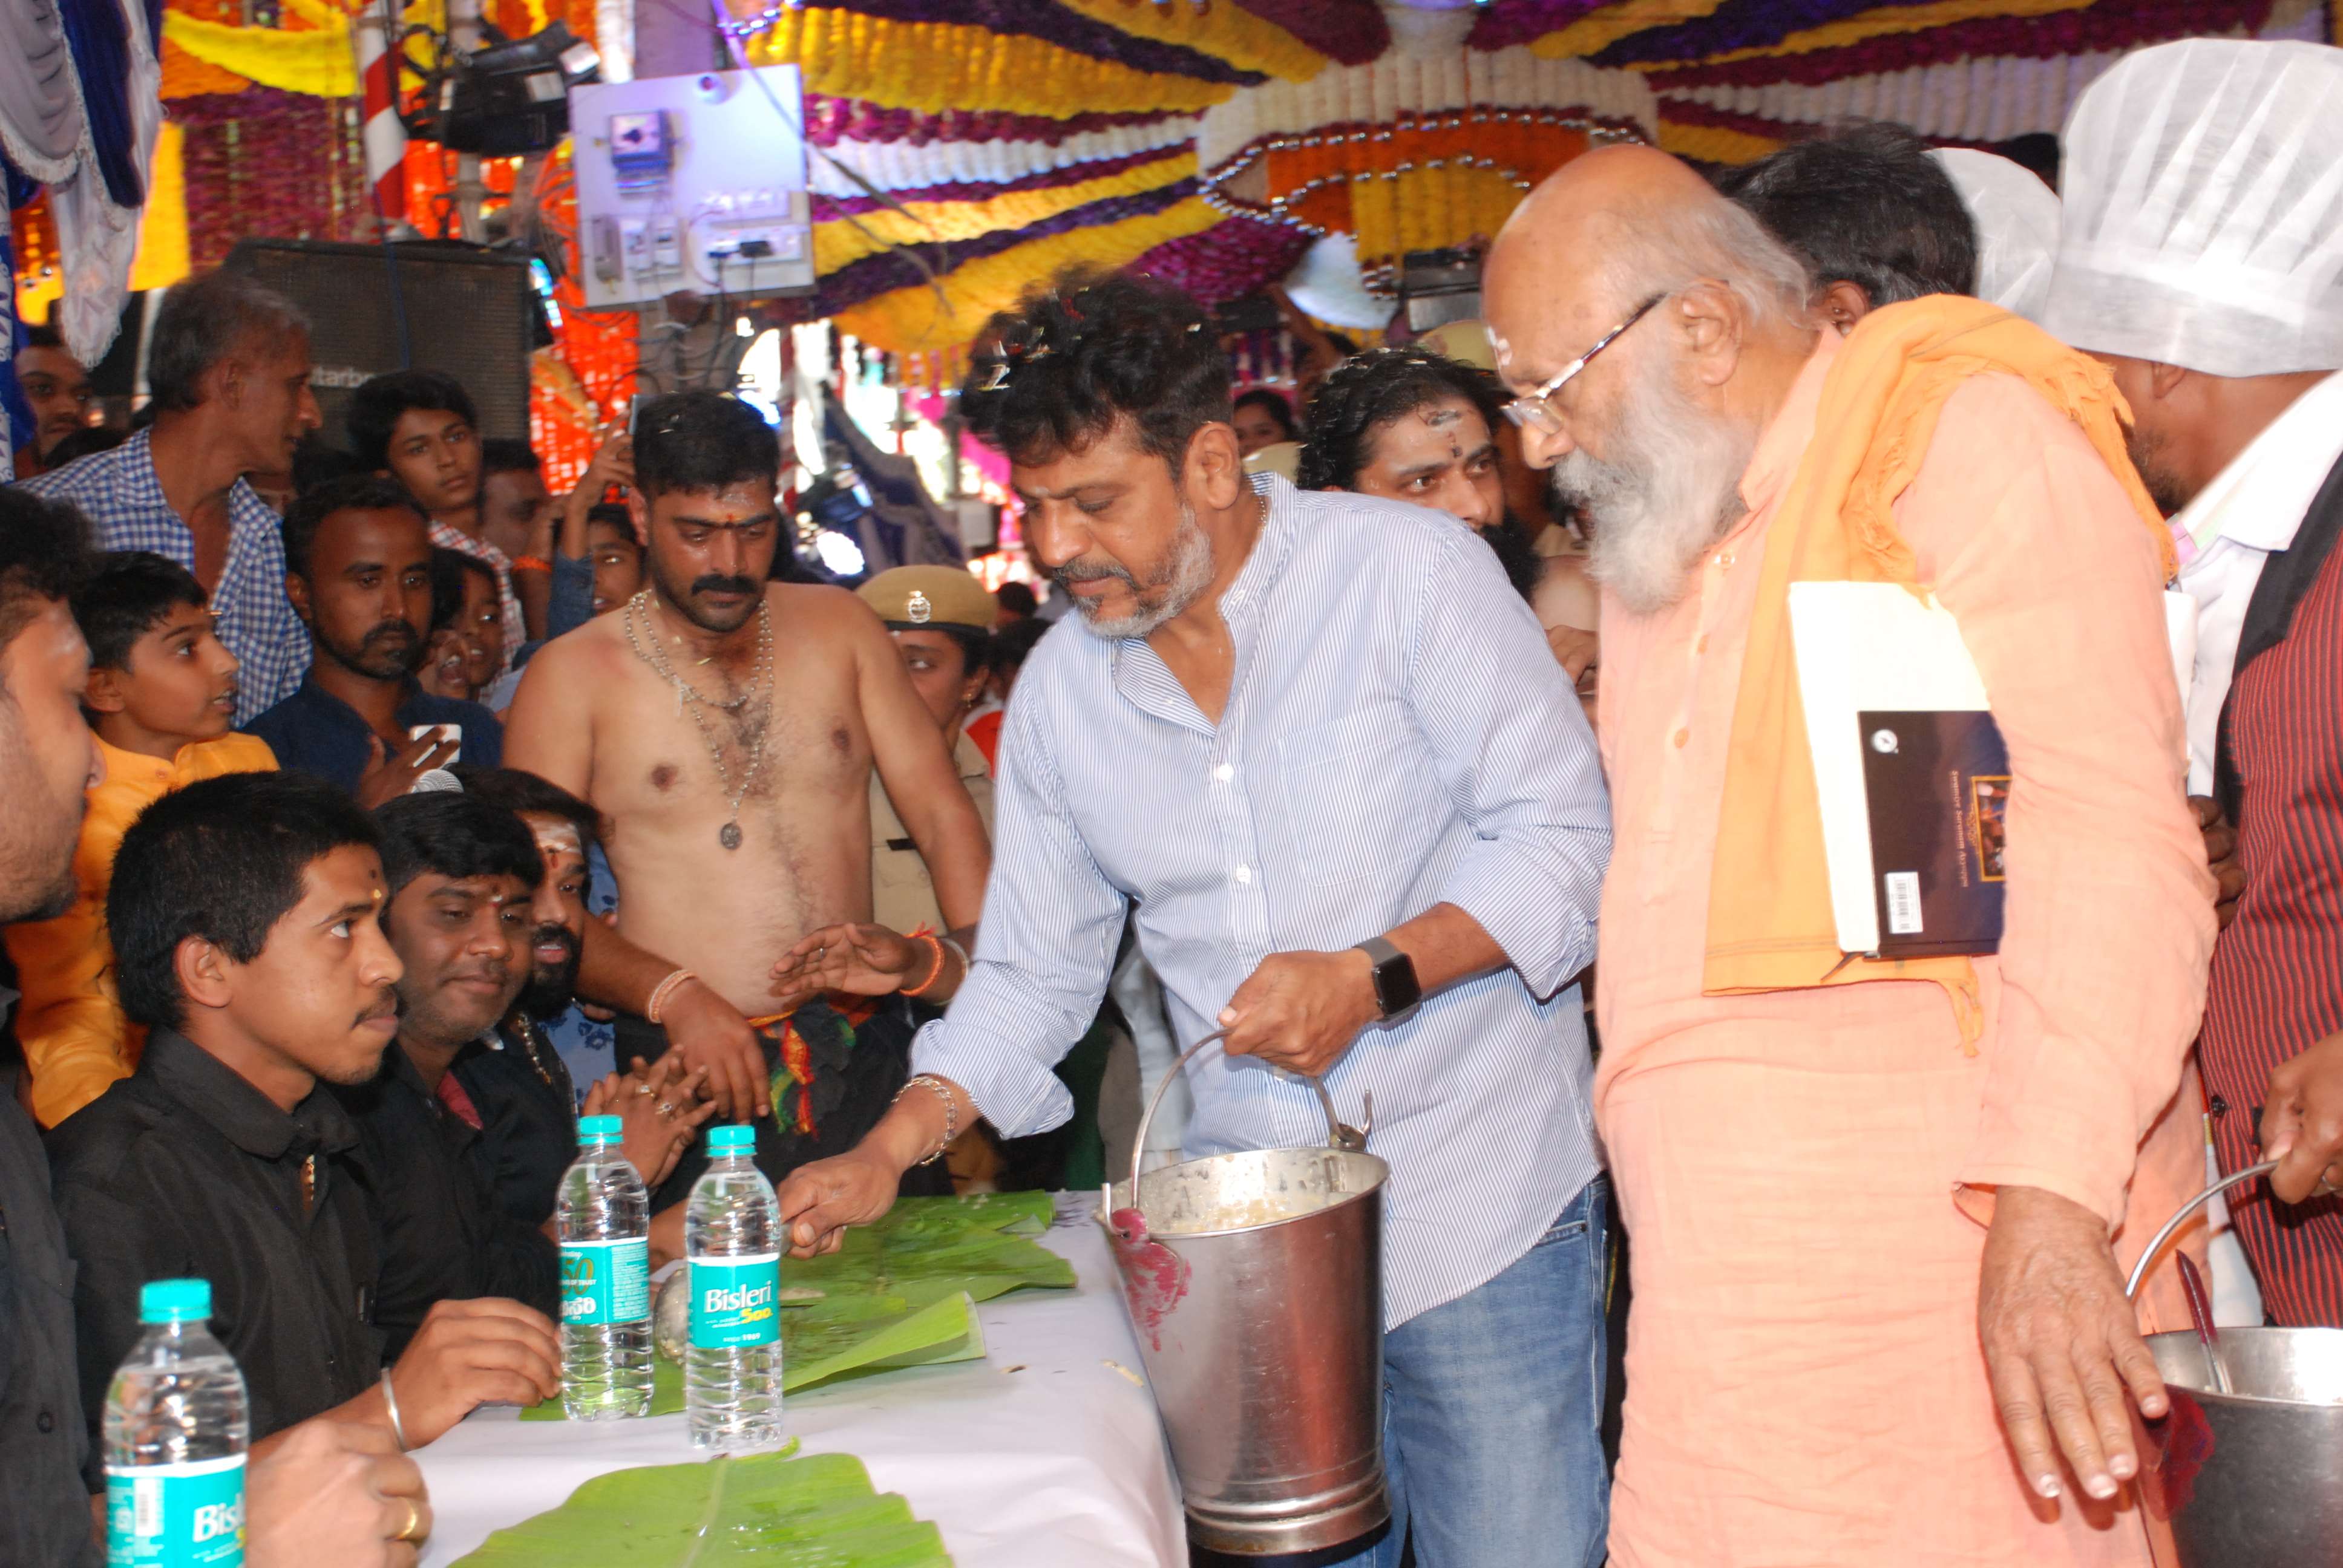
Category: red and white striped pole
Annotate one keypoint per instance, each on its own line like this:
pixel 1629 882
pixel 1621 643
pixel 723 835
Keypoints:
pixel 384 136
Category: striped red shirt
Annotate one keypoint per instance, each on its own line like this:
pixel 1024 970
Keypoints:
pixel 2277 985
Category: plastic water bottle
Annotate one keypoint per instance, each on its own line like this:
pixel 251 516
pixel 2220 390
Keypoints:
pixel 603 1216
pixel 175 1430
pixel 733 1368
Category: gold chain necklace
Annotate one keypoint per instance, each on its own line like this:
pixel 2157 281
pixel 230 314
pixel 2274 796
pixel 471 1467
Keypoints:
pixel 689 698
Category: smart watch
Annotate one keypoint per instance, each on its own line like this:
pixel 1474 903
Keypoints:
pixel 1396 988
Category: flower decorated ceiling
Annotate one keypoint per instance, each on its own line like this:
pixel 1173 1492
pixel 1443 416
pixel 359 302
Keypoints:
pixel 964 147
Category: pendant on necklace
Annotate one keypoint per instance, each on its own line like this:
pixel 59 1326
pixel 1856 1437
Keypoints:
pixel 728 835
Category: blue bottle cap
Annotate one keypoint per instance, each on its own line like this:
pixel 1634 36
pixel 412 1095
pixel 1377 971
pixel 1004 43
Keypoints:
pixel 174 1301
pixel 599 1130
pixel 737 1140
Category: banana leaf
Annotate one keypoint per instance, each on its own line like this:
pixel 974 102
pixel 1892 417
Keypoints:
pixel 926 1249
pixel 777 1510
pixel 820 1342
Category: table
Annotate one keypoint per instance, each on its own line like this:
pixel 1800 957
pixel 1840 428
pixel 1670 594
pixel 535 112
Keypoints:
pixel 1060 1464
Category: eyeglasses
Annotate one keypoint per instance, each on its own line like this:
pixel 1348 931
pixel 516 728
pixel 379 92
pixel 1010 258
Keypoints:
pixel 1535 410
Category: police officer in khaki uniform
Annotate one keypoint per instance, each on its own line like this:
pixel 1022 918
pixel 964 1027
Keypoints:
pixel 941 620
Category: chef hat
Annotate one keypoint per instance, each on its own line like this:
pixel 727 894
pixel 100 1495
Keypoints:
pixel 2016 218
pixel 2203 214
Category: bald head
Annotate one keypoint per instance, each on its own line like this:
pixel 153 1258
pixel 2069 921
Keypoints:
pixel 1559 236
pixel 1701 322
pixel 1607 231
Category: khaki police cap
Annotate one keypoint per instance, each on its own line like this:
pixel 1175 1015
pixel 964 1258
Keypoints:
pixel 908 596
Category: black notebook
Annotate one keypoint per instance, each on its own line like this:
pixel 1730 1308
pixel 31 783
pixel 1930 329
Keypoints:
pixel 1936 785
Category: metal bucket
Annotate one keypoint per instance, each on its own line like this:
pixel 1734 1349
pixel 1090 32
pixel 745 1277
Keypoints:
pixel 2248 1466
pixel 1254 1283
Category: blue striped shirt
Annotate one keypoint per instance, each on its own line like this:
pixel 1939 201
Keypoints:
pixel 122 496
pixel 1396 736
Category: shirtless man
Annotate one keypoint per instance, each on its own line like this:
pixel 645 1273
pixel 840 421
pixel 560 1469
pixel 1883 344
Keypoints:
pixel 726 728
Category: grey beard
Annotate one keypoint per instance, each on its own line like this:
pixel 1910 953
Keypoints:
pixel 1179 583
pixel 1671 490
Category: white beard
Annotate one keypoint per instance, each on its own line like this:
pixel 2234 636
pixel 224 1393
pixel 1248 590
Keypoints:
pixel 1179 583
pixel 1670 490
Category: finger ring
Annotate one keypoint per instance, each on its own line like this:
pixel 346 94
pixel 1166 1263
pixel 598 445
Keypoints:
pixel 666 1108
pixel 412 1531
pixel 644 1088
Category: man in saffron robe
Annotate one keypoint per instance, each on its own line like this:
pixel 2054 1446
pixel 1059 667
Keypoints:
pixel 1880 1210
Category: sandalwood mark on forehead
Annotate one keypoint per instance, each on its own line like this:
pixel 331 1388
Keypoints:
pixel 1440 418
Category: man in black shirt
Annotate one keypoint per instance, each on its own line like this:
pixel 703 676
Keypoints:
pixel 327 1491
pixel 47 759
pixel 461 874
pixel 244 915
pixel 528 1106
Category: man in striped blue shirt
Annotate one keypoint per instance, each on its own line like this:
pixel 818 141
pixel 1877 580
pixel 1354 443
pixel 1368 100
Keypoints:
pixel 1316 738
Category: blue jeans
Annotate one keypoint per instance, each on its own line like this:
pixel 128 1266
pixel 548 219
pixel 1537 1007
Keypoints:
pixel 1493 1406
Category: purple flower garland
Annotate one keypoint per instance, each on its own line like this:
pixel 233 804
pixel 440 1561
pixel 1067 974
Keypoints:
pixel 1753 25
pixel 1227 261
pixel 830 120
pixel 267 161
pixel 1511 22
pixel 2093 31
pixel 826 208
pixel 1347 32
pixel 890 270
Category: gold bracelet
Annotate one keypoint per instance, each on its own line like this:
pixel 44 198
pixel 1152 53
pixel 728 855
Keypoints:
pixel 936 1087
pixel 664 992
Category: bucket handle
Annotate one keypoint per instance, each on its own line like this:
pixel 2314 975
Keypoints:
pixel 2139 1270
pixel 1338 1136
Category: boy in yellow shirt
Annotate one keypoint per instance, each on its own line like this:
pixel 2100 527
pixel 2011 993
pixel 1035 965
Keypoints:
pixel 162 698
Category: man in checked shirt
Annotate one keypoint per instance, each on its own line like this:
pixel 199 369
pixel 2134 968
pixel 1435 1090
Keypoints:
pixel 228 365
pixel 1318 738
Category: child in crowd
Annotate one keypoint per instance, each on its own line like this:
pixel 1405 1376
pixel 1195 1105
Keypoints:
pixel 162 698
pixel 467 648
pixel 616 555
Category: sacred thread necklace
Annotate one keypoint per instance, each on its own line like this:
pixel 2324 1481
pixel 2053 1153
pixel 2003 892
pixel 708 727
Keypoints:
pixel 688 699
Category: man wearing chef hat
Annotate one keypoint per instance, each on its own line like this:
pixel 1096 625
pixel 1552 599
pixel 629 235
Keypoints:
pixel 2201 257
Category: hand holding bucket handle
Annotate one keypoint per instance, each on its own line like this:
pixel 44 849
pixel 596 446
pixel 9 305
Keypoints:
pixel 1338 1135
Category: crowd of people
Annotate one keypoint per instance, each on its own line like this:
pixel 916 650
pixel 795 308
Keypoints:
pixel 374 812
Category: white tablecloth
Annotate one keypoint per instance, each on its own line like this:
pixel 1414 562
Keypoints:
pixel 1058 1465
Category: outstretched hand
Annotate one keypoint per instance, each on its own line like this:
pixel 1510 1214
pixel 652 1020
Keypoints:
pixel 819 1200
pixel 858 958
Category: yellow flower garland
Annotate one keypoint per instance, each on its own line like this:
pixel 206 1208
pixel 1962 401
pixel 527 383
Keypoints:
pixel 1226 31
pixel 932 66
pixel 1598 30
pixel 844 240
pixel 317 61
pixel 1715 144
pixel 913 321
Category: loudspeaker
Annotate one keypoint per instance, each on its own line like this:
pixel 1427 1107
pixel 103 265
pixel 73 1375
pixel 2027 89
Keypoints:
pixel 422 305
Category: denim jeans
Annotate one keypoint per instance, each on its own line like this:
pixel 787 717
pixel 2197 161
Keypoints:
pixel 1492 1405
